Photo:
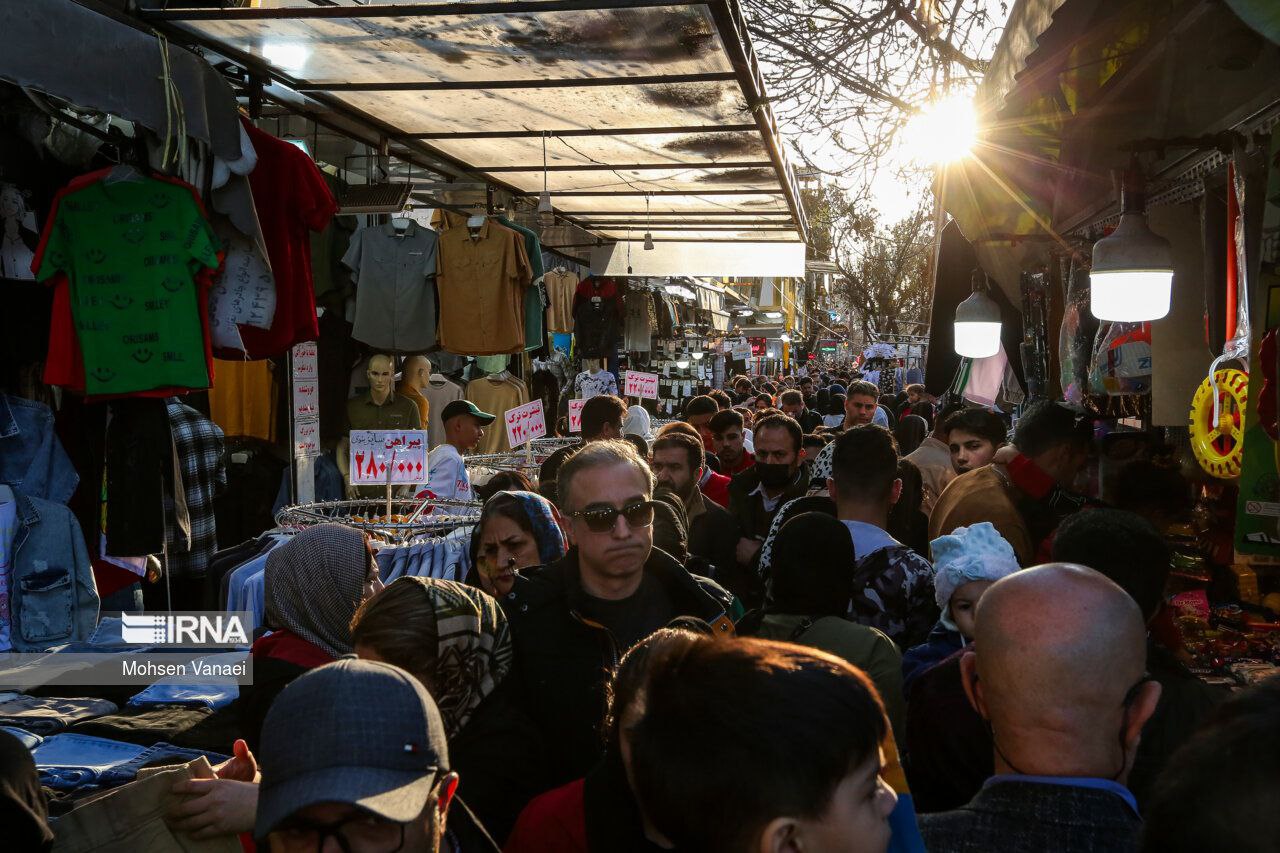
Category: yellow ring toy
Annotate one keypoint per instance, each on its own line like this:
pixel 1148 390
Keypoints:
pixel 1219 448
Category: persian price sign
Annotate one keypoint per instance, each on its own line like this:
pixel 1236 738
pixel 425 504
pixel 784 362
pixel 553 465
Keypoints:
pixel 525 423
pixel 575 415
pixel 642 385
pixel 378 453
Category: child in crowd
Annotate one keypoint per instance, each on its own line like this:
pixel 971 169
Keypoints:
pixel 966 563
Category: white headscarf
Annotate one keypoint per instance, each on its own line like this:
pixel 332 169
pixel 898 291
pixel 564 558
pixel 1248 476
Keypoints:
pixel 638 423
pixel 974 553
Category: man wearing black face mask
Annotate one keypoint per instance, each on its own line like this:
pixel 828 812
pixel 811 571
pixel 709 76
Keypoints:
pixel 778 476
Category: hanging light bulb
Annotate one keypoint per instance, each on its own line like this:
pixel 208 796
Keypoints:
pixel 1132 276
pixel 785 338
pixel 977 329
pixel 546 215
pixel 648 234
pixel 697 355
pixel 682 362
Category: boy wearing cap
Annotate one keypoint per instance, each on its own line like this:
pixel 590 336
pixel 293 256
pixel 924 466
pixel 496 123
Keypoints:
pixel 367 781
pixel 447 472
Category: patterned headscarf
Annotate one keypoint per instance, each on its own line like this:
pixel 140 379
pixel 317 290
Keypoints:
pixel 820 469
pixel 542 517
pixel 473 648
pixel 314 583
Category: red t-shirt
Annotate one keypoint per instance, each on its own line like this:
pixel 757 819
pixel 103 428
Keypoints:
pixel 716 489
pixel 748 459
pixel 291 199
pixel 554 822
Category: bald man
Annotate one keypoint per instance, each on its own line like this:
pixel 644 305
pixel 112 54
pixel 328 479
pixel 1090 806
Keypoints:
pixel 1057 670
pixel 414 376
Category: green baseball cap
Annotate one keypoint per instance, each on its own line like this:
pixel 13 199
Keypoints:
pixel 466 407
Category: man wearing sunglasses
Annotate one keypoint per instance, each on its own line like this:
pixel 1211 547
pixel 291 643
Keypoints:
pixel 572 621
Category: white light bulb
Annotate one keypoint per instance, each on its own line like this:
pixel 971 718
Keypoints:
pixel 1130 297
pixel 977 340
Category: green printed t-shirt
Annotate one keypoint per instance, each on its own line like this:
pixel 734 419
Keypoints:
pixel 131 251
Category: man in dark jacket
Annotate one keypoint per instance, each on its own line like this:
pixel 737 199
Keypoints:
pixel 1056 670
pixel 572 621
pixel 778 476
pixel 713 532
pixel 794 406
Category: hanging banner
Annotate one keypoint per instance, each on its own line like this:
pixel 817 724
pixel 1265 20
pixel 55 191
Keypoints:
pixel 739 349
pixel 306 438
pixel 379 457
pixel 642 385
pixel 575 415
pixel 525 423
pixel 305 398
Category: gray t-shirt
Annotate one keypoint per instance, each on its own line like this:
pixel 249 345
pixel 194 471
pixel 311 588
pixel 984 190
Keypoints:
pixel 395 276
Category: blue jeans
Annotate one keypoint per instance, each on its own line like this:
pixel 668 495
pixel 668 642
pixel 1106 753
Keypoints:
pixel 125 600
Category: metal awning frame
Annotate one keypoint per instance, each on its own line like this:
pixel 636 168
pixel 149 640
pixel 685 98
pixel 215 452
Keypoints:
pixel 415 148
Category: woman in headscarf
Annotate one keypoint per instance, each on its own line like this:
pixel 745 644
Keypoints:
pixel 517 530
pixel 455 640
pixel 638 423
pixel 312 585
pixel 910 431
pixel 834 418
pixel 810 588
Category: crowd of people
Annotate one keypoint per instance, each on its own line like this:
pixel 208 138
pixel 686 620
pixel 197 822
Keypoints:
pixel 805 617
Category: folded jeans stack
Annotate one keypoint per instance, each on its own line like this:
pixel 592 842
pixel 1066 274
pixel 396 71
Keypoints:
pixel 48 715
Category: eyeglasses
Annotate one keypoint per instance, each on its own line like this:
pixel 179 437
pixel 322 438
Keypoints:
pixel 602 520
pixel 356 834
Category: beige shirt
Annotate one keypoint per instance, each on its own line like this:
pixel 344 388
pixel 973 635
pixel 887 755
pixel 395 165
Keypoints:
pixel 496 398
pixel 933 458
pixel 561 285
pixel 481 283
pixel 983 495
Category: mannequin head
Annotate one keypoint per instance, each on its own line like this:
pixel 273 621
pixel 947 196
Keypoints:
pixel 381 373
pixel 416 371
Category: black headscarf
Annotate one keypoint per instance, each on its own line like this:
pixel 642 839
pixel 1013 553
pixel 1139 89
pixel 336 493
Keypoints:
pixel 812 568
pixel 23 811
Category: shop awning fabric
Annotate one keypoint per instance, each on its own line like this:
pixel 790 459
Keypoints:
pixel 652 112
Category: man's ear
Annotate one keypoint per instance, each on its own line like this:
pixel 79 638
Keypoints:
pixel 972 686
pixel 895 493
pixel 780 835
pixel 1140 711
pixel 832 491
pixel 445 789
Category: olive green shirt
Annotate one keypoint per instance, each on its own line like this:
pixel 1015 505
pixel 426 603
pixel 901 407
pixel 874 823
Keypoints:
pixel 398 413
pixel 866 648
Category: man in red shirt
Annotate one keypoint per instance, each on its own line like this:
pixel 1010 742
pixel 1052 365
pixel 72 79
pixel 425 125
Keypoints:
pixel 714 487
pixel 727 435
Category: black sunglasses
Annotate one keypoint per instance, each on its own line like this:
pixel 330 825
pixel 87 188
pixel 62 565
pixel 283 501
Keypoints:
pixel 602 520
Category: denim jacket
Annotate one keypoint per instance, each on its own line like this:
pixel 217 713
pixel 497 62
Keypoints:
pixel 52 596
pixel 31 457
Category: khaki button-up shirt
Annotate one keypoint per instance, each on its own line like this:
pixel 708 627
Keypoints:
pixel 482 281
pixel 397 412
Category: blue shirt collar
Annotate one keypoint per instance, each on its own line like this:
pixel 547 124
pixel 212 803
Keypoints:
pixel 1071 782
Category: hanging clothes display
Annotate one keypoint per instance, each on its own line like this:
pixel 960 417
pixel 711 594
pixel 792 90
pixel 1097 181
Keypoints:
pixel 482 277
pixel 242 401
pixel 440 392
pixel 198 449
pixel 243 292
pixel 395 279
pixel 637 330
pixel 291 199
pixel 496 394
pixel 597 317
pixel 130 256
pixel 535 298
pixel 31 456
pixel 561 285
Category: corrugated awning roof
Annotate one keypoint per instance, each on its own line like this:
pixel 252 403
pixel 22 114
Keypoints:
pixel 653 112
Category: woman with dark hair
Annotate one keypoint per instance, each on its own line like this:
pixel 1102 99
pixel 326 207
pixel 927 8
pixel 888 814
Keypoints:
pixel 455 640
pixel 517 530
pixel 834 418
pixel 503 481
pixel 910 432
pixel 907 521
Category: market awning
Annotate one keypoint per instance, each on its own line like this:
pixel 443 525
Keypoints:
pixel 652 112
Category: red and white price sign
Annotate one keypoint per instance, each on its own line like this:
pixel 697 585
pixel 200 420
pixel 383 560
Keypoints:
pixel 379 457
pixel 525 423
pixel 575 415
pixel 642 385
pixel 306 438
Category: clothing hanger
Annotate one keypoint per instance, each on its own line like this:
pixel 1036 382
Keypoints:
pixel 401 223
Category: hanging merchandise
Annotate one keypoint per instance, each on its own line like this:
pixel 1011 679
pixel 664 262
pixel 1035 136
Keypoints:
pixel 597 316
pixel 535 298
pixel 561 284
pixel 243 292
pixel 31 456
pixel 637 330
pixel 190 529
pixel 130 256
pixel 291 198
pixel 1075 340
pixel 1217 431
pixel 1121 360
pixel 395 270
pixel 496 393
pixel 440 392
pixel 483 274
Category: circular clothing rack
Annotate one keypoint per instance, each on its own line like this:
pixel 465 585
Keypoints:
pixel 525 462
pixel 407 517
